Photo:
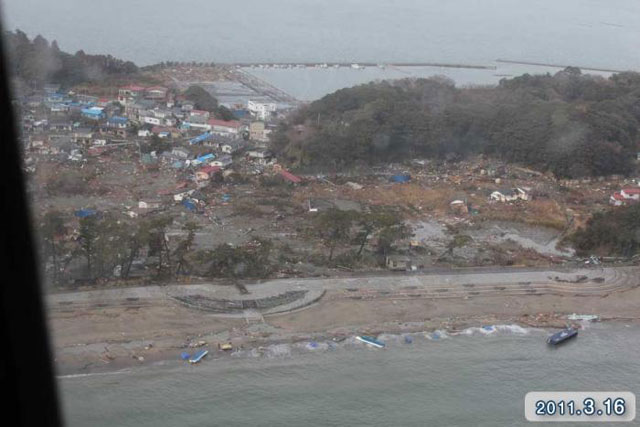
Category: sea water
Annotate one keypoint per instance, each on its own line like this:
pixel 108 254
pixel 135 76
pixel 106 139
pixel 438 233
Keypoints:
pixel 476 377
pixel 584 33
pixel 579 32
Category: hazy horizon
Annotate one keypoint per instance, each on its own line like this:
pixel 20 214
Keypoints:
pixel 576 32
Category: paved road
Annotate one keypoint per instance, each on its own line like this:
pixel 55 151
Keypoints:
pixel 450 284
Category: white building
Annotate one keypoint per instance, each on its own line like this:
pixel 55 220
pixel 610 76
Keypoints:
pixel 262 110
pixel 151 120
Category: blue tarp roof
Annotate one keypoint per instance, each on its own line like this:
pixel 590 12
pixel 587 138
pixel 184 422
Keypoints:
pixel 206 157
pixel 118 119
pixel 83 213
pixel 92 112
pixel 401 178
pixel 189 204
pixel 201 138
pixel 239 113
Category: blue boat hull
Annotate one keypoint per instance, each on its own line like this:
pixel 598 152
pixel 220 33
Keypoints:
pixel 198 356
pixel 371 341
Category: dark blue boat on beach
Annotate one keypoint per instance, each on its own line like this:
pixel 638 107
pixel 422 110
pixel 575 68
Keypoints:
pixel 562 336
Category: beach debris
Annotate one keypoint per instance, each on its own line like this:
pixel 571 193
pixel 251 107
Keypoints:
pixel 184 355
pixel 198 356
pixel 225 347
pixel 585 317
pixel 370 341
pixel 197 344
pixel 408 339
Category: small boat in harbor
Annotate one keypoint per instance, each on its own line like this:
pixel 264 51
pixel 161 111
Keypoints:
pixel 197 357
pixel 370 341
pixel 562 336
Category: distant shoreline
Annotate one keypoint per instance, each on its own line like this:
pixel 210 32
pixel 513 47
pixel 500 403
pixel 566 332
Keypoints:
pixel 542 64
pixel 359 64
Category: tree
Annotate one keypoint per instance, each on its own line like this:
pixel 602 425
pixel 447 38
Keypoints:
pixel 184 248
pixel 613 232
pixel 390 234
pixel 372 223
pixel 570 124
pixel 202 99
pixel 52 228
pixel 157 241
pixel 110 248
pixel 135 241
pixel 37 62
pixel 88 235
pixel 250 260
pixel 333 226
pixel 223 113
pixel 458 241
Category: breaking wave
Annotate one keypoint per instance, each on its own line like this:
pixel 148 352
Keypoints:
pixel 437 335
pixel 391 340
pixel 94 374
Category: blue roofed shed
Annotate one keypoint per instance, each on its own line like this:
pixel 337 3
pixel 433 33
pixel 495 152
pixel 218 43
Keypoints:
pixel 401 178
pixel 93 113
pixel 83 213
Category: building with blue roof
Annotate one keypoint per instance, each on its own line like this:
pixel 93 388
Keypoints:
pixel 201 138
pixel 95 113
pixel 118 122
pixel 204 158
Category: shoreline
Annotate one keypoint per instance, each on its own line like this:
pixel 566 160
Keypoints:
pixel 99 331
pixel 451 328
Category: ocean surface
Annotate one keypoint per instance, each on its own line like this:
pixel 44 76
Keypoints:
pixel 585 33
pixel 476 378
pixel 581 32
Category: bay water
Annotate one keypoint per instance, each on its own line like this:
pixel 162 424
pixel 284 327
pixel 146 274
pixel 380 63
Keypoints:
pixel 584 33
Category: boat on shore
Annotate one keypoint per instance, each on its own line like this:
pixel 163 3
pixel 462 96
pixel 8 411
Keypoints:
pixel 562 336
pixel 197 357
pixel 370 341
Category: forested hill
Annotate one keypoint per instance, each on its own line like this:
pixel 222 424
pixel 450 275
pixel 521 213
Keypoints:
pixel 37 62
pixel 569 123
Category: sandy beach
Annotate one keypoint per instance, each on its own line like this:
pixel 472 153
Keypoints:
pixel 113 334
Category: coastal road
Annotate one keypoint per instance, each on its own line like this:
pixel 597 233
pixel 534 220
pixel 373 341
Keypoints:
pixel 442 284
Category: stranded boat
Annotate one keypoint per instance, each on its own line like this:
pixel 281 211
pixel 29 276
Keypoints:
pixel 197 357
pixel 370 340
pixel 562 336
